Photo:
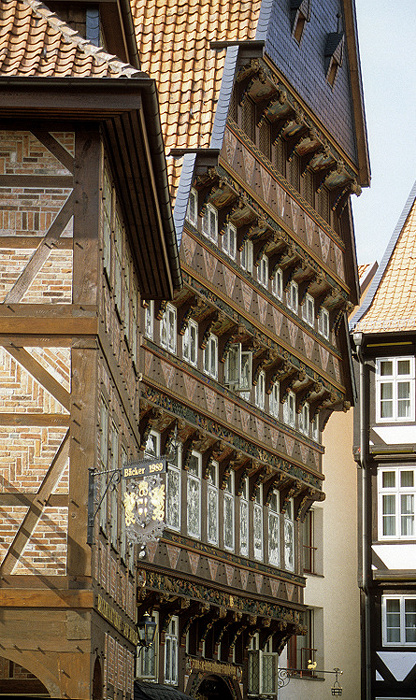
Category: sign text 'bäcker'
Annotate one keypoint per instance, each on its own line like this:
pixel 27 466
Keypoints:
pixel 146 467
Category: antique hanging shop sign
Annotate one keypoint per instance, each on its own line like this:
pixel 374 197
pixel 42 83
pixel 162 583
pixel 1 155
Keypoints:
pixel 144 500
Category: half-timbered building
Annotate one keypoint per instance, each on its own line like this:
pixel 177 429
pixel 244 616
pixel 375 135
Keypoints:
pixel 383 332
pixel 86 231
pixel 262 115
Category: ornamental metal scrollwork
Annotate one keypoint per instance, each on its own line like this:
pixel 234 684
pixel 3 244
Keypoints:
pixel 144 509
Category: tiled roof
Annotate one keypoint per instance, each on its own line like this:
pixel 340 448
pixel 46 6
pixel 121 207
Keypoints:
pixel 35 42
pixel 174 47
pixel 392 299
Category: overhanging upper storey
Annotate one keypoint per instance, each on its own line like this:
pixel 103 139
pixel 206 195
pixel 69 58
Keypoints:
pixel 48 71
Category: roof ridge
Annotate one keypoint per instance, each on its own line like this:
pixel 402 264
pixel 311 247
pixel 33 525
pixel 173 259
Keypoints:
pixel 72 36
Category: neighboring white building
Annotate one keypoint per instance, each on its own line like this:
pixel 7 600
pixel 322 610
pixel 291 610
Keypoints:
pixel 384 333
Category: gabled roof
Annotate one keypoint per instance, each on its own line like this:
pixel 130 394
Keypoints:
pixel 48 71
pixel 35 42
pixel 175 47
pixel 390 305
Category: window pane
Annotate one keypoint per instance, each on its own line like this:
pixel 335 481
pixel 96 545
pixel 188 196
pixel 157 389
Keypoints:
pixel 268 675
pixel 403 396
pixel 258 532
pixel 410 620
pixel 244 527
pixel 274 538
pixel 403 367
pixel 386 368
pixel 407 517
pixel 212 515
pixel 194 499
pixel 253 672
pixel 228 521
pixel 407 478
pixel 389 480
pixel 173 498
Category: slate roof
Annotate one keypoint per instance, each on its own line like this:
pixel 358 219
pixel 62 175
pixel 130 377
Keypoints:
pixel 34 42
pixel 174 47
pixel 174 38
pixel 390 305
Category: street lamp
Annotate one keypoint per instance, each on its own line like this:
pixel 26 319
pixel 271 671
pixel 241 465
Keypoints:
pixel 146 630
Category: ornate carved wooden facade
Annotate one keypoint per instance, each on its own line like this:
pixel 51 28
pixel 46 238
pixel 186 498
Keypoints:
pixel 243 368
pixel 77 249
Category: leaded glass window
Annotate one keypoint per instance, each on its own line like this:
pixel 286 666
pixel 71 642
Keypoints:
pixel 194 496
pixel 244 520
pixel 171 652
pixel 229 513
pixel 258 524
pixel 212 505
pixel 274 530
pixel 289 537
pixel 173 491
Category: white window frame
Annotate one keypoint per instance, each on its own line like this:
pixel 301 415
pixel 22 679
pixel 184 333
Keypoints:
pixel 245 520
pixel 190 343
pixel 246 256
pixel 277 284
pixel 195 480
pixel 289 537
pixel 171 652
pixel 152 448
pixel 289 409
pixel 304 420
pixel 392 504
pixel 263 271
pixel 323 323
pixel 308 310
pixel 228 506
pixel 274 528
pixel 147 657
pixel 238 368
pixel 192 209
pixel 260 391
pixel 168 329
pixel 292 297
pixel 402 621
pixel 210 223
pixel 211 357
pixel 229 241
pixel 258 525
pixel 149 315
pixel 213 503
pixel 395 379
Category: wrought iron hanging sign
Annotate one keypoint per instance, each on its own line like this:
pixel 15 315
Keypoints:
pixel 144 500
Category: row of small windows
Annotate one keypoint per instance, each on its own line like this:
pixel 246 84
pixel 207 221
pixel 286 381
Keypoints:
pixel 286 162
pixel 229 247
pixel 249 528
pixel 238 370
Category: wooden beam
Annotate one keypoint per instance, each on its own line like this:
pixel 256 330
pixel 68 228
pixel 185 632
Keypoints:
pixel 40 255
pixel 22 242
pixel 34 513
pixel 44 181
pixel 41 375
pixel 34 419
pixel 55 148
pixel 48 326
pixel 71 599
